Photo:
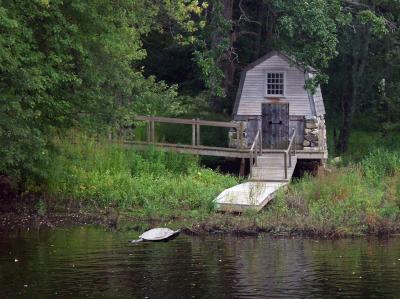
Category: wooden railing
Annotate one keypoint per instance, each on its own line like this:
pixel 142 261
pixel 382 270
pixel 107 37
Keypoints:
pixel 196 125
pixel 289 152
pixel 255 151
pixel 241 150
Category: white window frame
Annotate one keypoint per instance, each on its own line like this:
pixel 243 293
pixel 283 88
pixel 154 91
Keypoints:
pixel 266 83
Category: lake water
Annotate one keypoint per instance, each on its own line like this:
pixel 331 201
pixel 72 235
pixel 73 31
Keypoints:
pixel 92 262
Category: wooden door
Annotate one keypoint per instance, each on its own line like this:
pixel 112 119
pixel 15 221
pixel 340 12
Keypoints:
pixel 275 125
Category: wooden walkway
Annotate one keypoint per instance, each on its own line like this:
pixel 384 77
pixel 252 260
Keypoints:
pixel 270 169
pixel 270 172
pixel 265 180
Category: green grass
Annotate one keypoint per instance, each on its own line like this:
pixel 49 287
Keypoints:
pixel 356 199
pixel 151 183
pixel 362 142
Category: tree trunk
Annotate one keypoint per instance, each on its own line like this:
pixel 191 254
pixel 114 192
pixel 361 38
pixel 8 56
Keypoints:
pixel 352 89
pixel 228 59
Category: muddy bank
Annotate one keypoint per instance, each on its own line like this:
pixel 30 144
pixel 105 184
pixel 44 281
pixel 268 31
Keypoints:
pixel 239 225
pixel 34 211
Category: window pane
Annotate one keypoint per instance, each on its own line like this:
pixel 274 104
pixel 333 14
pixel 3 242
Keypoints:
pixel 275 83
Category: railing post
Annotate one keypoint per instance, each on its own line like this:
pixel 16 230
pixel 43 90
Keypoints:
pixel 198 132
pixel 294 136
pixel 259 125
pixel 294 141
pixel 152 131
pixel 285 164
pixel 251 163
pixel 148 131
pixel 194 132
pixel 240 137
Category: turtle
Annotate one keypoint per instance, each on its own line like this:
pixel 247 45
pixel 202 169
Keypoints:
pixel 157 235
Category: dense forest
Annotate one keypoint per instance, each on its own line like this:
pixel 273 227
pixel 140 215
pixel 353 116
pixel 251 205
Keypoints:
pixel 93 65
pixel 96 63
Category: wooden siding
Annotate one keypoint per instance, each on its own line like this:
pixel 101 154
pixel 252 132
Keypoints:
pixel 253 90
pixel 254 124
pixel 297 123
pixel 319 102
pixel 275 125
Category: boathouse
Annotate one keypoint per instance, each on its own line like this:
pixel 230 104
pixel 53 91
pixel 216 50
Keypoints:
pixel 272 98
pixel 277 122
pixel 282 123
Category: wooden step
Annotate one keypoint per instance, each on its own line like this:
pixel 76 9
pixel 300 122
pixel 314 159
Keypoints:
pixel 270 173
pixel 271 168
pixel 273 160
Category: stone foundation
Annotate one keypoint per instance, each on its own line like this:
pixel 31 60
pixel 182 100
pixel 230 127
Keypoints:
pixel 234 140
pixel 314 133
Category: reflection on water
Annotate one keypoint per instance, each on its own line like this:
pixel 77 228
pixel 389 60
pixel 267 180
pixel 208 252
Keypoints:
pixel 91 262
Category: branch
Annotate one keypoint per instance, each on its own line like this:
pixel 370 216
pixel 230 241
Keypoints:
pixel 244 16
pixel 356 3
pixel 245 32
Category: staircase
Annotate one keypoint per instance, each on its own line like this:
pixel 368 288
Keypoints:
pixel 271 167
pixel 270 170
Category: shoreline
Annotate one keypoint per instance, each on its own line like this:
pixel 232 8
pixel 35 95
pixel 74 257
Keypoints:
pixel 225 224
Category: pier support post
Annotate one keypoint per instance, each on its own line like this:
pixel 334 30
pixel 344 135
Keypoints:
pixel 194 132
pixel 242 166
pixel 197 132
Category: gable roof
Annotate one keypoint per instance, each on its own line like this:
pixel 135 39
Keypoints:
pixel 290 60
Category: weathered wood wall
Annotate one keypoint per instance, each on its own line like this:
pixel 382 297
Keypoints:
pixel 253 92
pixel 275 125
pixel 253 89
pixel 297 123
pixel 254 123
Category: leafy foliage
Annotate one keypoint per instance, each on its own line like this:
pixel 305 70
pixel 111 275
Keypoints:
pixel 62 61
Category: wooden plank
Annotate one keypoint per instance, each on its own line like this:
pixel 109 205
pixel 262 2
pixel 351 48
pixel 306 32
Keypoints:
pixel 253 89
pixel 193 134
pixel 153 139
pixel 188 121
pixel 189 149
pixel 247 195
pixel 311 155
pixel 148 131
pixel 198 132
pixel 275 125
pixel 297 123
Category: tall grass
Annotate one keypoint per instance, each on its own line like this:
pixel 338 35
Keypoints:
pixel 153 183
pixel 362 142
pixel 359 198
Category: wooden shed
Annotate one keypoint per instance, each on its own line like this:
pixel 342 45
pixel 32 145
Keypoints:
pixel 272 99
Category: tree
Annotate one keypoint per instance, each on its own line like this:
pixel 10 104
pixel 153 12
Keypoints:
pixel 62 61
pixel 357 70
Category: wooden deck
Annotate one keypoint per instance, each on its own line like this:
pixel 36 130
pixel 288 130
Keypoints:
pixel 270 170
